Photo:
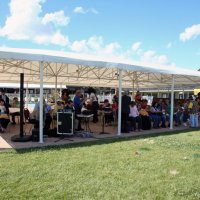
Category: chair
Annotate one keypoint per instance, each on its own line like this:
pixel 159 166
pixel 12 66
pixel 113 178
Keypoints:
pixel 26 114
pixel 28 120
pixel 15 115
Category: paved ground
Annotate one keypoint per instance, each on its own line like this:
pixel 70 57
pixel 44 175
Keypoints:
pixel 6 143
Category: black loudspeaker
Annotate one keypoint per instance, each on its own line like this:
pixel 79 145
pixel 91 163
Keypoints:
pixel 21 104
pixel 21 137
pixel 65 123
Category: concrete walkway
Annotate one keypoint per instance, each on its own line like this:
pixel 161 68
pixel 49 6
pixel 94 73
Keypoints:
pixel 6 143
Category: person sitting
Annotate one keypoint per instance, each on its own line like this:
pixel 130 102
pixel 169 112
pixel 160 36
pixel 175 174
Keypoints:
pixel 15 104
pixel 155 115
pixel 46 115
pixel 185 113
pixel 58 108
pixel 108 114
pixel 69 106
pixel 138 97
pixel 146 121
pixel 161 107
pixel 65 96
pixel 144 103
pixel 178 112
pixel 115 109
pixel 134 117
pixel 4 116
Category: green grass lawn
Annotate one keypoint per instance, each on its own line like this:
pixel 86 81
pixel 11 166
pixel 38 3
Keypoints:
pixel 162 167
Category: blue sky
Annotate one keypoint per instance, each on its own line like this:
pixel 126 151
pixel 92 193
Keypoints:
pixel 147 31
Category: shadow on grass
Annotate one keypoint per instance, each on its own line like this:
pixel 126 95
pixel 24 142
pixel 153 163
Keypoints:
pixel 99 141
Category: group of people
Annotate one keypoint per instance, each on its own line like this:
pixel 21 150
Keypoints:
pixel 79 104
pixel 135 115
pixel 4 115
pixel 158 114
pixel 4 110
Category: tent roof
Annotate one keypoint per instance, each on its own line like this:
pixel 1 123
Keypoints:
pixel 88 70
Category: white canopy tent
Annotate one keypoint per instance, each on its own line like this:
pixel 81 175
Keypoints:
pixel 50 67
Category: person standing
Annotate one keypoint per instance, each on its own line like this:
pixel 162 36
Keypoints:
pixel 126 100
pixel 94 103
pixel 134 116
pixel 15 104
pixel 193 110
pixel 4 97
pixel 4 116
pixel 78 107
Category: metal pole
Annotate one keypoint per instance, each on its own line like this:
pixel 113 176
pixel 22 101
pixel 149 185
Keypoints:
pixel 120 103
pixel 168 93
pixel 21 105
pixel 56 88
pixel 133 92
pixel 172 103
pixel 27 99
pixel 60 89
pixel 41 102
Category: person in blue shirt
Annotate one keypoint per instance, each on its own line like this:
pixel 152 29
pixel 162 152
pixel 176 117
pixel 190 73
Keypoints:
pixel 78 107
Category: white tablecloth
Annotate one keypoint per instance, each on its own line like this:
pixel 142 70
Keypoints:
pixel 13 110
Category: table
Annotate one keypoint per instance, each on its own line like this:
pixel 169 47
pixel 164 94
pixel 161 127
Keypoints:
pixel 13 110
pixel 17 111
pixel 86 120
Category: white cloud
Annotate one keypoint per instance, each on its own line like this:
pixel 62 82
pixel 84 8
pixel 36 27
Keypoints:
pixel 169 45
pixel 95 42
pixel 79 46
pixel 150 57
pixel 136 46
pixel 56 38
pixel 190 33
pixel 3 46
pixel 25 23
pixel 58 18
pixel 94 11
pixel 112 48
pixel 95 46
pixel 81 10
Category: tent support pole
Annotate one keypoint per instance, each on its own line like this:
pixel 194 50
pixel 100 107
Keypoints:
pixel 27 99
pixel 133 93
pixel 120 103
pixel 56 88
pixel 172 103
pixel 41 102
pixel 60 89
